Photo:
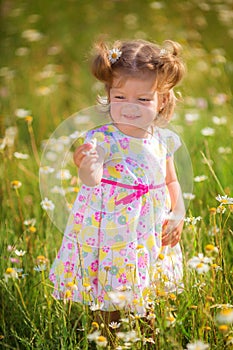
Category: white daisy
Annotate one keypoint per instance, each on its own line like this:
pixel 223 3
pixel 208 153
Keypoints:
pixel 200 178
pixel 114 55
pixel 19 155
pixel 208 131
pixel 198 345
pixel 200 263
pixel 224 199
pixel 219 121
pixel 47 204
pixel 46 169
pixel 225 316
pixel 224 150
pixel 189 196
pixel 20 252
pixel 63 174
pixel 22 113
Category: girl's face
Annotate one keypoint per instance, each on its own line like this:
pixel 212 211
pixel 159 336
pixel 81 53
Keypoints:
pixel 134 105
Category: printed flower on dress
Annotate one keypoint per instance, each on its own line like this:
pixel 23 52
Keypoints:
pixel 114 55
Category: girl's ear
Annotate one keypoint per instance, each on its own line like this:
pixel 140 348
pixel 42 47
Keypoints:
pixel 163 99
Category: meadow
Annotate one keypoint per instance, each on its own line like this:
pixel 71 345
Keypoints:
pixel 45 79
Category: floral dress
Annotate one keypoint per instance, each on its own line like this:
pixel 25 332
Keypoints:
pixel 112 240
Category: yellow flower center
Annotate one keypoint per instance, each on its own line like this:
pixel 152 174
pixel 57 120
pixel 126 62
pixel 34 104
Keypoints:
pixel 200 265
pixel 214 266
pixel 101 339
pixel 171 318
pixel 172 296
pixel 212 210
pixel 209 247
pixel 28 118
pixel 41 258
pixel 224 201
pixel 95 325
pixel 223 328
pixel 226 312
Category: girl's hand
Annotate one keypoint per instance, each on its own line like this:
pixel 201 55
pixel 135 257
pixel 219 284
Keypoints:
pixel 80 153
pixel 171 233
pixel 89 159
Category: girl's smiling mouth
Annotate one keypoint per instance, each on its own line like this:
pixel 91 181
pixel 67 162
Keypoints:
pixel 131 117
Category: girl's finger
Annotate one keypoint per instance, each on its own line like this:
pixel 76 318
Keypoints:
pixel 78 153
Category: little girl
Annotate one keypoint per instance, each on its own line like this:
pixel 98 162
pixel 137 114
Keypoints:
pixel 123 232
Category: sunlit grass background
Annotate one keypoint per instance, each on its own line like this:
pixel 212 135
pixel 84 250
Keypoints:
pixel 45 78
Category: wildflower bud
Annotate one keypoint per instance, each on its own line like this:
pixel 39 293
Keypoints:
pixel 212 211
pixel 172 296
pixel 210 298
pixel 15 184
pixel 210 248
pixel 28 119
pixel 67 294
pixel 95 325
pixel 160 293
pixel 41 259
pixel 193 307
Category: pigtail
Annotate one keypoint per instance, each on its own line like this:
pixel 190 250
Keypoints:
pixel 173 68
pixel 100 65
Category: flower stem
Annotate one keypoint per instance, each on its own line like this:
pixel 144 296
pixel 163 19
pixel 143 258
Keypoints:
pixel 33 144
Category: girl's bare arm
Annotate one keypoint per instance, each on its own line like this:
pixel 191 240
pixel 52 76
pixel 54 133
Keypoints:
pixel 173 226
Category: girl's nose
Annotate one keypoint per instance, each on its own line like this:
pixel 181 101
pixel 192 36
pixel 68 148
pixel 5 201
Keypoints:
pixel 130 109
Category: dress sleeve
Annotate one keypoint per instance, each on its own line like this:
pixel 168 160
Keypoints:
pixel 172 142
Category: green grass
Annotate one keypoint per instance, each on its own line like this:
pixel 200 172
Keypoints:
pixel 30 318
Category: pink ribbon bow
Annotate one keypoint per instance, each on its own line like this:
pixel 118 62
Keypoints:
pixel 140 190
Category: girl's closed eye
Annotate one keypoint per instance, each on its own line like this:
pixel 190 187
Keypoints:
pixel 144 99
pixel 119 97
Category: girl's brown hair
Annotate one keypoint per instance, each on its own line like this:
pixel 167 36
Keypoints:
pixel 138 57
